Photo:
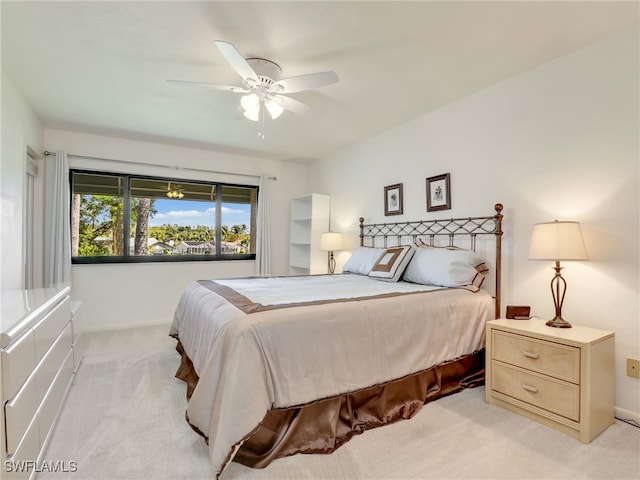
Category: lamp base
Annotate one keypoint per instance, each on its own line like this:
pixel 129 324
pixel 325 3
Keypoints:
pixel 558 322
pixel 558 289
pixel 332 263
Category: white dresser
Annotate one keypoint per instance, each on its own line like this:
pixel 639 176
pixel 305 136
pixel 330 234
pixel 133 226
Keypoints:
pixel 37 359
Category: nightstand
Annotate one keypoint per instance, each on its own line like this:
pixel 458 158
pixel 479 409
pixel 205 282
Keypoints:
pixel 561 377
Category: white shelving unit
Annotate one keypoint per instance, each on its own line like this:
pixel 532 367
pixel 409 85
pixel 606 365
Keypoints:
pixel 309 220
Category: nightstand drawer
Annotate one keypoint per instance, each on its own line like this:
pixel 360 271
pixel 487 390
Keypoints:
pixel 559 361
pixel 556 396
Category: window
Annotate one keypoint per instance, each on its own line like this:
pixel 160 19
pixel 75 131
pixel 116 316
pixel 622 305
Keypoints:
pixel 131 218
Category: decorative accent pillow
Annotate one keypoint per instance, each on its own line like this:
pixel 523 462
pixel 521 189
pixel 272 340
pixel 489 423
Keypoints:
pixel 446 267
pixel 362 260
pixel 392 263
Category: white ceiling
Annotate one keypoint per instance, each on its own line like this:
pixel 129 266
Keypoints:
pixel 101 67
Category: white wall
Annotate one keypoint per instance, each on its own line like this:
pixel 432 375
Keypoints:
pixel 559 142
pixel 20 129
pixel 120 295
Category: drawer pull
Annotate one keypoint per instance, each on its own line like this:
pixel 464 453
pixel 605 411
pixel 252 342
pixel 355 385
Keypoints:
pixel 530 388
pixel 531 355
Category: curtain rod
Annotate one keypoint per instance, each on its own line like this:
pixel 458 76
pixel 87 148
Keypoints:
pixel 175 167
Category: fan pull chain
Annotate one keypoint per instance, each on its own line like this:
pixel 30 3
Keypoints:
pixel 261 132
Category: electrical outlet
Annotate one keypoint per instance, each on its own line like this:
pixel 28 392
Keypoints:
pixel 633 367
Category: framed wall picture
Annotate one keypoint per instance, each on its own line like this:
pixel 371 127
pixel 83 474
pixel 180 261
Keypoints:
pixel 439 193
pixel 393 199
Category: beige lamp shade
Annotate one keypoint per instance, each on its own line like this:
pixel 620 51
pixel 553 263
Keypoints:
pixel 331 241
pixel 557 241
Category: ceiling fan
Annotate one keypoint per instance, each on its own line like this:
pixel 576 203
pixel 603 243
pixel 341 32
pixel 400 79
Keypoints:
pixel 262 86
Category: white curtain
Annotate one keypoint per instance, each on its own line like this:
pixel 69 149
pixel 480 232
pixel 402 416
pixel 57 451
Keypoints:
pixel 57 229
pixel 263 235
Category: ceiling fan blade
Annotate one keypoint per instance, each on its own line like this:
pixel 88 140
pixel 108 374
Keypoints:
pixel 300 83
pixel 237 61
pixel 228 88
pixel 292 105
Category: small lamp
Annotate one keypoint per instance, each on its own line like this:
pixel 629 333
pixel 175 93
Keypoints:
pixel 557 241
pixel 330 242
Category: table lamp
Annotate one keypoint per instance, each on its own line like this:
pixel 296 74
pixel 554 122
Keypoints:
pixel 557 241
pixel 330 242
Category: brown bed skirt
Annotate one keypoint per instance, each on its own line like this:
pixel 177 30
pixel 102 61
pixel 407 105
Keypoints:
pixel 324 425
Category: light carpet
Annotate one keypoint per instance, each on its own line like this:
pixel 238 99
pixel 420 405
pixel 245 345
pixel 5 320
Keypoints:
pixel 124 419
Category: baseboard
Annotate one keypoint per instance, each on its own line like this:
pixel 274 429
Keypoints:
pixel 98 329
pixel 627 415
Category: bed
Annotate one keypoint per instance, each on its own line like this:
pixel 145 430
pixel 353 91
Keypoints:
pixel 278 366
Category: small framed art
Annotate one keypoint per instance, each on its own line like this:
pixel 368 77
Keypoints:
pixel 393 199
pixel 438 193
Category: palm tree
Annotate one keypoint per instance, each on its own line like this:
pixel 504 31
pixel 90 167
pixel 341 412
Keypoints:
pixel 75 225
pixel 142 227
pixel 239 229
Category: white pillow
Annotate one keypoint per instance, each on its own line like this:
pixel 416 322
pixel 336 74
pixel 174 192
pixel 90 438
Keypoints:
pixel 392 263
pixel 473 258
pixel 445 267
pixel 362 260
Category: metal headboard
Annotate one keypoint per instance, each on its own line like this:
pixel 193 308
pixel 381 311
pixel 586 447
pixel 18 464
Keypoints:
pixel 407 232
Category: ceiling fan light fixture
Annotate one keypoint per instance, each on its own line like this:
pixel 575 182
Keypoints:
pixel 251 105
pixel 274 108
pixel 174 192
pixel 250 102
pixel 253 114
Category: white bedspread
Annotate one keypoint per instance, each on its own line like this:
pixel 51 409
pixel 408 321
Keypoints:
pixel 282 290
pixel 280 357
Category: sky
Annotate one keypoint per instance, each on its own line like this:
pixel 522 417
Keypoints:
pixel 184 212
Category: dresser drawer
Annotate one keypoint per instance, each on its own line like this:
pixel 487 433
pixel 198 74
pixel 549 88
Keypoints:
pixel 55 397
pixel 79 339
pixel 48 329
pixel 553 395
pixel 559 361
pixel 15 465
pixel 79 347
pixel 51 362
pixel 20 410
pixel 18 361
